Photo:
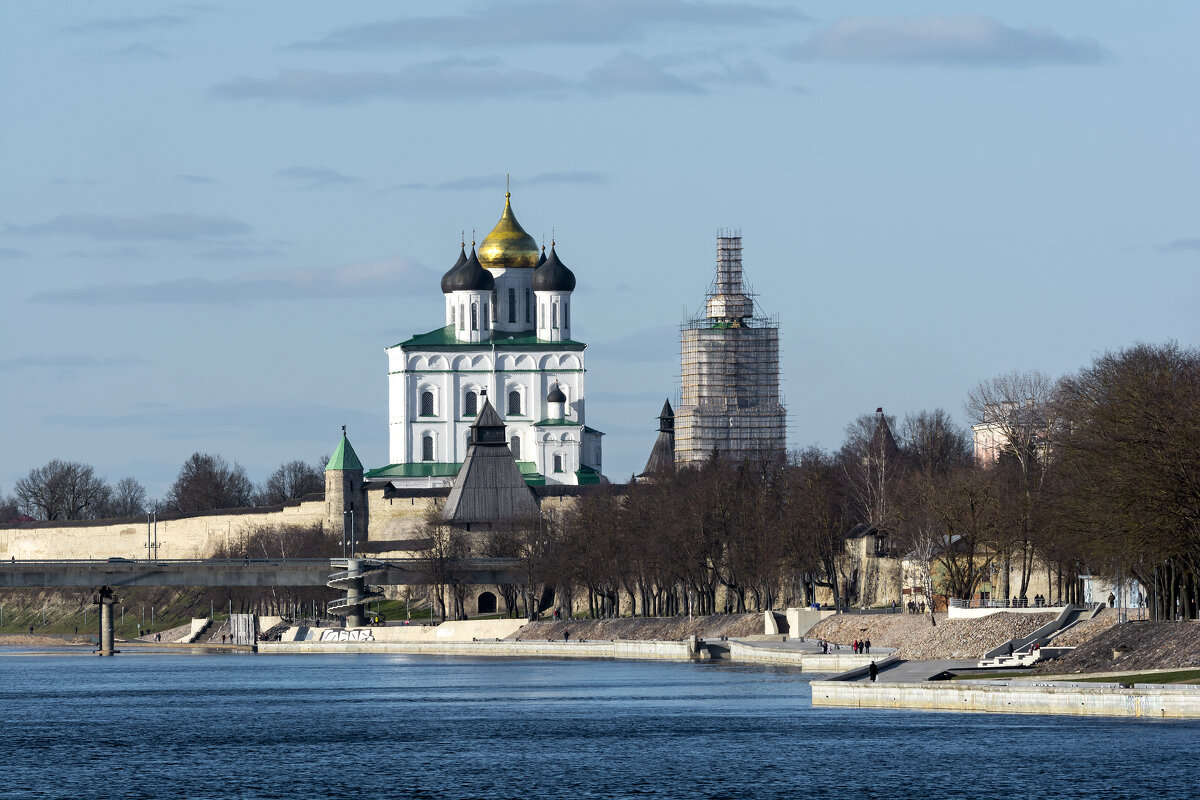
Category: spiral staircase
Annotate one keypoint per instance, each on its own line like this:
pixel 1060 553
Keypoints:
pixel 354 580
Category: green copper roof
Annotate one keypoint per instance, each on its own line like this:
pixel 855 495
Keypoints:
pixel 343 457
pixel 588 476
pixel 444 337
pixel 443 469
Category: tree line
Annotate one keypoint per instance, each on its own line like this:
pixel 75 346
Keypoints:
pixel 69 490
pixel 1096 473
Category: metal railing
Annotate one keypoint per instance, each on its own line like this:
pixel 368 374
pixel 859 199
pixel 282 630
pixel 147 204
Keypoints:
pixel 1016 603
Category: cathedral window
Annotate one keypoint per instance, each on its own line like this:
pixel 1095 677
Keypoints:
pixel 474 316
pixel 554 316
pixel 528 303
pixel 427 448
pixel 514 403
pixel 462 318
pixel 566 315
pixel 558 464
pixel 451 316
pixel 542 314
pixel 512 305
pixel 514 444
pixel 471 405
pixel 427 408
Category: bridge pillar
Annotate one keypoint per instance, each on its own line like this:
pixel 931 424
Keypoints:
pixel 105 601
pixel 354 592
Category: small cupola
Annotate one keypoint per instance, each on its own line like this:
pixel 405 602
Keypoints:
pixel 553 275
pixel 470 277
pixel 447 279
pixel 556 402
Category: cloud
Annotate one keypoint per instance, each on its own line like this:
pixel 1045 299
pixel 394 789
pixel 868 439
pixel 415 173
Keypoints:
pixel 140 51
pixel 196 179
pixel 65 362
pixel 108 252
pixel 377 278
pixel 521 24
pixel 963 40
pixel 629 72
pixel 128 24
pixel 315 177
pixel 437 80
pixel 171 227
pixel 1180 246
pixel 237 252
pixel 12 252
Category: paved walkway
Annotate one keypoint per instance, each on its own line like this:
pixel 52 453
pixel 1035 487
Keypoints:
pixel 810 646
pixel 919 671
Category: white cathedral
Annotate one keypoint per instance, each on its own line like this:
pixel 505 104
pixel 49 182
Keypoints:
pixel 507 340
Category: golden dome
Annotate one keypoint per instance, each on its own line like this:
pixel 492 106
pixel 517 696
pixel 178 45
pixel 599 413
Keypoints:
pixel 508 245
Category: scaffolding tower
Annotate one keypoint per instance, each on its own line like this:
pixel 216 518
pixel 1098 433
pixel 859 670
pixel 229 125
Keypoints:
pixel 730 402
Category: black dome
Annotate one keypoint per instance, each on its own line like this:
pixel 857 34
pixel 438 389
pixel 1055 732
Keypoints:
pixel 542 257
pixel 553 276
pixel 462 259
pixel 471 276
pixel 556 395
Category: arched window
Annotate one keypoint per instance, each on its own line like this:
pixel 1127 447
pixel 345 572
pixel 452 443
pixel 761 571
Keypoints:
pixel 542 314
pixel 427 448
pixel 451 315
pixel 514 403
pixel 462 318
pixel 566 315
pixel 512 305
pixel 427 409
pixel 528 303
pixel 471 405
pixel 474 316
pixel 554 316
pixel 558 463
pixel 514 444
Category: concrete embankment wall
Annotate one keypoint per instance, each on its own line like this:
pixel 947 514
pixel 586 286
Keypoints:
pixel 1087 700
pixel 461 631
pixel 809 662
pixel 504 647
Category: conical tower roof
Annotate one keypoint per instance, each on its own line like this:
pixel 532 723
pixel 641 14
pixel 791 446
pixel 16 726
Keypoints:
pixel 489 489
pixel 344 457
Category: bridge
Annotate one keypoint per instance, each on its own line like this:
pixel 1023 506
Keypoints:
pixel 263 572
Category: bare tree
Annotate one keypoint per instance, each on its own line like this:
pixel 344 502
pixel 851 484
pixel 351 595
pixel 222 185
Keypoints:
pixel 207 482
pixel 1017 414
pixel 289 482
pixel 61 490
pixel 871 465
pixel 127 499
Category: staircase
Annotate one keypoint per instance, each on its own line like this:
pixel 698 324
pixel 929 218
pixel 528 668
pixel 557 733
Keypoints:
pixel 354 582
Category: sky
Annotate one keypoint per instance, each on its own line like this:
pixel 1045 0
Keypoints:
pixel 214 218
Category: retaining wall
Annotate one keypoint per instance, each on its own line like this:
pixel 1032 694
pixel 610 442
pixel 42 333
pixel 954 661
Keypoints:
pixel 1160 702
pixel 809 662
pixel 505 647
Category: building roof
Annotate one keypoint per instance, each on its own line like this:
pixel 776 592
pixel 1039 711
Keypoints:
pixel 490 488
pixel 447 285
pixel 508 245
pixel 553 275
pixel 344 457
pixel 471 277
pixel 662 455
pixel 443 338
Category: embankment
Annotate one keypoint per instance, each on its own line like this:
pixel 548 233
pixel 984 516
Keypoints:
pixel 1137 646
pixel 657 628
pixel 915 638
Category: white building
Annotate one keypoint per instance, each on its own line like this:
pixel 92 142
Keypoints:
pixel 507 336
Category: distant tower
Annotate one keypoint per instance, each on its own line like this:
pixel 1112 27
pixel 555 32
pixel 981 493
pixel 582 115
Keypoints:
pixel 345 498
pixel 730 400
pixel 662 456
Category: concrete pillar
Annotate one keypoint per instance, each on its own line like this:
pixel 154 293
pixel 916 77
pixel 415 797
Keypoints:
pixel 105 601
pixel 354 591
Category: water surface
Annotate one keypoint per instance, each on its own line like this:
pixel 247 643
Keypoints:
pixel 374 726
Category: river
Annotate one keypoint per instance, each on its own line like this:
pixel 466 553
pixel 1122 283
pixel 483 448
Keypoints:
pixel 244 726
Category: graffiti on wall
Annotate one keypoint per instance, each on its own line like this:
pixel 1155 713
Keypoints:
pixel 346 636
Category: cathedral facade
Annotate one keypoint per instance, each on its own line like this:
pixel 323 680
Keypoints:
pixel 505 338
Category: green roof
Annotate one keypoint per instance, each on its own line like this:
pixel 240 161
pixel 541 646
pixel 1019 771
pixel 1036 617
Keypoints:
pixel 444 338
pixel 343 457
pixel 588 476
pixel 587 429
pixel 444 469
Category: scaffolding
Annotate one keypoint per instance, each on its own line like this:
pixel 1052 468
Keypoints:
pixel 729 355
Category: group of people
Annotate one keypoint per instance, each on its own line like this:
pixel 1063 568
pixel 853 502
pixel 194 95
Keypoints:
pixel 862 646
pixel 915 607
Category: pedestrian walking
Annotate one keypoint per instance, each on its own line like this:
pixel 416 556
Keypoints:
pixel 874 670
pixel 566 635
pixel 869 648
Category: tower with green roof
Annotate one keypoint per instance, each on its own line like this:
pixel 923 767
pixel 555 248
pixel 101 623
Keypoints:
pixel 345 495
